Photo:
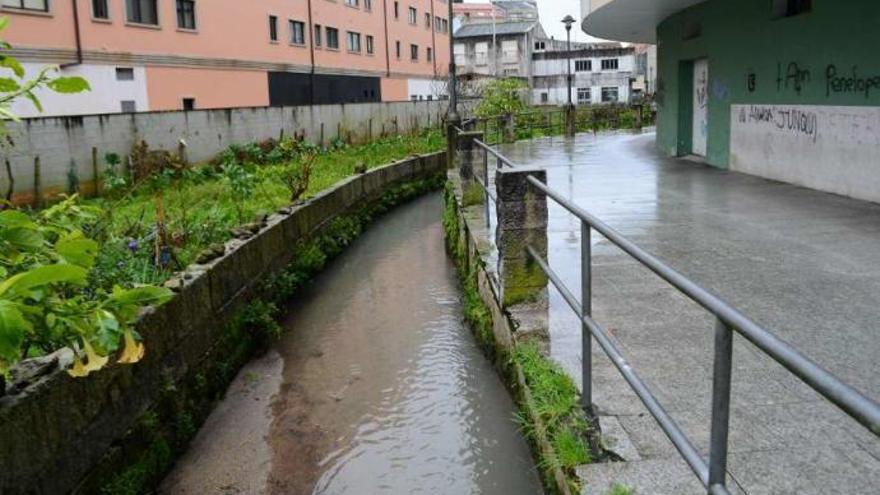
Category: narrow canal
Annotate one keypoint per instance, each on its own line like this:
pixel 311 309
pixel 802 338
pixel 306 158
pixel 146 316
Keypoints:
pixel 376 388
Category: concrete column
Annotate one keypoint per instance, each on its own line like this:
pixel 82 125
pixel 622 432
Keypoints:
pixel 522 222
pixel 451 135
pixel 570 120
pixel 469 160
pixel 508 123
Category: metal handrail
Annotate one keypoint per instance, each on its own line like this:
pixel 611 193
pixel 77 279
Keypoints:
pixel 853 402
pixel 712 472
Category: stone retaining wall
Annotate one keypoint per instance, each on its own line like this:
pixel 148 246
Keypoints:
pixel 55 430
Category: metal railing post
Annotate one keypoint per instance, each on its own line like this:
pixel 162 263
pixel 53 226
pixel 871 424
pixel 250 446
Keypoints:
pixel 486 185
pixel 720 405
pixel 587 310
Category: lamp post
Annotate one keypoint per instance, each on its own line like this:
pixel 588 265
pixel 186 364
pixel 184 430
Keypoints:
pixel 453 120
pixel 569 109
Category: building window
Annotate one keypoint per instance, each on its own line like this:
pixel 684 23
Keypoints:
pixel 368 4
pixel 511 72
pixel 609 64
pixel 789 8
pixel 124 74
pixel 397 10
pixel 186 14
pixel 273 28
pixel 370 44
pixel 437 25
pixel 545 98
pixel 692 30
pixel 427 20
pixel 332 38
pixel 584 96
pixel 413 15
pixel 189 104
pixel 100 10
pixel 583 65
pixel 354 41
pixel 37 5
pixel 142 11
pixel 128 106
pixel 481 53
pixel 317 35
pixel 413 52
pixel 297 32
pixel 430 54
pixel 444 25
pixel 609 94
pixel 540 45
pixel 397 48
pixel 351 3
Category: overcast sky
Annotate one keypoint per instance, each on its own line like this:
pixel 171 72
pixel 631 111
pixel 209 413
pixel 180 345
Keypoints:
pixel 552 12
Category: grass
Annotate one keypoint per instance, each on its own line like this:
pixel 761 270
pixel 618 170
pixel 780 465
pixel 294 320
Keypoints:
pixel 199 208
pixel 618 489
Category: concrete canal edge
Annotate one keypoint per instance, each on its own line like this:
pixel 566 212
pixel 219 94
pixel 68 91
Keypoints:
pixel 120 430
pixel 500 330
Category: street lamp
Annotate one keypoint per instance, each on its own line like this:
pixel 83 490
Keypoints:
pixel 569 110
pixel 452 115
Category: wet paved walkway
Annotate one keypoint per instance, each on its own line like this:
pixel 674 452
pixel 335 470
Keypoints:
pixel 803 263
pixel 377 387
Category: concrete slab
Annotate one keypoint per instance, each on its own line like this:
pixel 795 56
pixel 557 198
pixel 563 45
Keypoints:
pixel 803 263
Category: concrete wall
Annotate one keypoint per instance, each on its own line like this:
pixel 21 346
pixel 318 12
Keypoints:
pixel 823 58
pixel 64 144
pixel 55 430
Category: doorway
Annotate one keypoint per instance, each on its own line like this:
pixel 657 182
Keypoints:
pixel 700 121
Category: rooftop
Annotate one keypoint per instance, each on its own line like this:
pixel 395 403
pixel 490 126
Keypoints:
pixel 499 29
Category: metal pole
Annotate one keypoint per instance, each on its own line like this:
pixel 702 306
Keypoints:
pixel 486 185
pixel 568 59
pixel 586 310
pixel 453 82
pixel 720 404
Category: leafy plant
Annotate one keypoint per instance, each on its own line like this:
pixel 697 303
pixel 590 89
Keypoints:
pixel 44 301
pixel 241 183
pixel 18 85
pixel 502 97
pixel 295 176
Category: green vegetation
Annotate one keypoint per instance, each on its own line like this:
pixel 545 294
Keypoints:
pixel 618 489
pixel 536 122
pixel 549 409
pixel 502 97
pixel 184 211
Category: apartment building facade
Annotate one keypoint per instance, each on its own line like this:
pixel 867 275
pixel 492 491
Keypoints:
pixel 602 73
pixel 153 55
pixel 497 49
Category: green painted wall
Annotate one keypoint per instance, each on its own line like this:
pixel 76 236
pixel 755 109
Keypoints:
pixel 788 59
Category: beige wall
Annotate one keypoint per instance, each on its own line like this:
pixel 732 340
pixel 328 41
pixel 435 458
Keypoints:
pixel 167 86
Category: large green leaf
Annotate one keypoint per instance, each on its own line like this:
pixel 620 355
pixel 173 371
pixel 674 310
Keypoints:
pixel 13 328
pixel 15 218
pixel 127 302
pixel 11 63
pixel 77 250
pixel 23 238
pixel 68 85
pixel 44 275
pixel 8 85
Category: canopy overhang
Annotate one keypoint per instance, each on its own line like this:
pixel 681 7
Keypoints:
pixel 629 20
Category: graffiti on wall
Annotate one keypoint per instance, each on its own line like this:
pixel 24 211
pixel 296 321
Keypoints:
pixel 795 77
pixel 794 120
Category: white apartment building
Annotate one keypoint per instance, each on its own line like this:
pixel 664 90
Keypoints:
pixel 602 74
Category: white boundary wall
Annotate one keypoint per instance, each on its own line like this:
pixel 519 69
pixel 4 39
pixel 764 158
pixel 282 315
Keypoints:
pixel 830 148
pixel 64 144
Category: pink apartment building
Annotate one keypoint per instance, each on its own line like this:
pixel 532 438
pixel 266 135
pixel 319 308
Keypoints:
pixel 146 55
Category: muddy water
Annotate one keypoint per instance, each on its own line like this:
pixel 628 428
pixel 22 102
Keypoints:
pixel 377 387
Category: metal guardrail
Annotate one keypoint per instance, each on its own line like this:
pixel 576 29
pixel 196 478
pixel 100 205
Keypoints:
pixel 712 471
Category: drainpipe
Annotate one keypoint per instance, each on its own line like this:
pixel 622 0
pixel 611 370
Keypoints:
pixel 79 50
pixel 433 39
pixel 311 56
pixel 387 47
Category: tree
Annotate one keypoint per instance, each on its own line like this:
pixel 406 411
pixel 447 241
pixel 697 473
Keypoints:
pixel 502 98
